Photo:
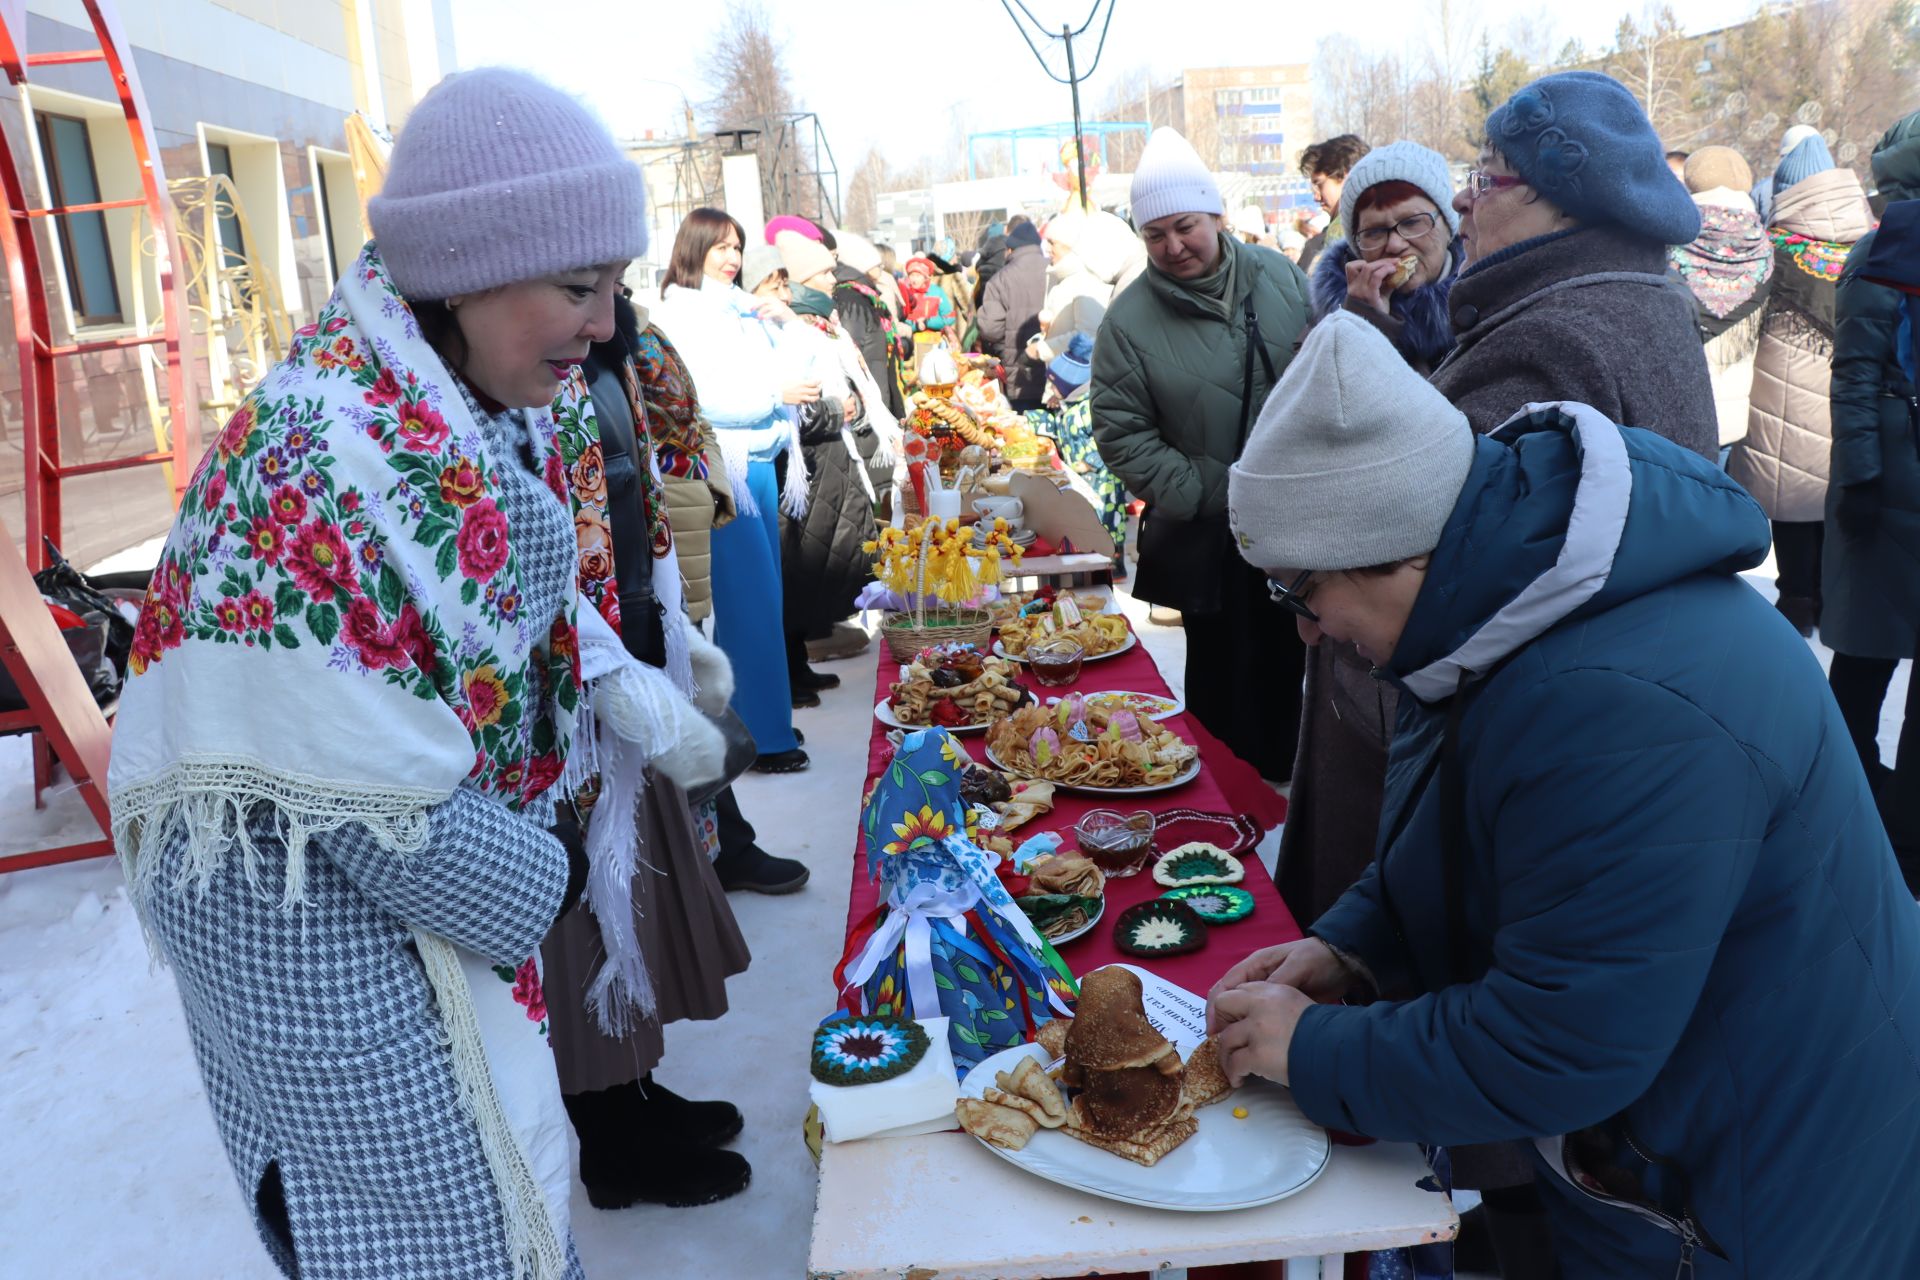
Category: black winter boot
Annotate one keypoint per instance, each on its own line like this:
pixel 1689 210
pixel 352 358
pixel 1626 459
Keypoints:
pixel 660 1113
pixel 620 1168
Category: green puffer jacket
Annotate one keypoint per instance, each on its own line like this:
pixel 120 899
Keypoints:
pixel 1168 373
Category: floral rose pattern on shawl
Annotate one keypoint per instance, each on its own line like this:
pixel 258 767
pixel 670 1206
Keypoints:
pixel 277 548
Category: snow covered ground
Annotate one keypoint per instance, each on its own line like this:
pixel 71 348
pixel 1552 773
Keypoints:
pixel 109 1162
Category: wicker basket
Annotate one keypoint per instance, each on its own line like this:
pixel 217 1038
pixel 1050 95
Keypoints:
pixel 974 626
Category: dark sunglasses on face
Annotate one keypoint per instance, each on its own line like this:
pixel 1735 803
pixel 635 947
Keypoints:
pixel 1294 598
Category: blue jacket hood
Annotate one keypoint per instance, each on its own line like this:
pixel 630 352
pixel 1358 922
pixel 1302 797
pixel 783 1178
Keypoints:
pixel 1564 515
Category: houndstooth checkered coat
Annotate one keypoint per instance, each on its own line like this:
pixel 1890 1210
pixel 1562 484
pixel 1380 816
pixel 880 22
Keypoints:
pixel 317 1033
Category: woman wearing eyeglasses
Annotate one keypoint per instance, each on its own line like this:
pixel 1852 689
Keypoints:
pixel 1566 222
pixel 1399 259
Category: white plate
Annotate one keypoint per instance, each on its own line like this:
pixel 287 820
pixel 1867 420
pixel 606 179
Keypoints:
pixel 883 712
pixel 1229 1164
pixel 1180 779
pixel 1177 708
pixel 1082 931
pixel 999 651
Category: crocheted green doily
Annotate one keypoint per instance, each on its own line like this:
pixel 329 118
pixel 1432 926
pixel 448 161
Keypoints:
pixel 1198 863
pixel 1214 903
pixel 1158 927
pixel 866 1049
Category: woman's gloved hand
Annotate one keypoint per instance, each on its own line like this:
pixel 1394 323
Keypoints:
pixel 641 705
pixel 712 673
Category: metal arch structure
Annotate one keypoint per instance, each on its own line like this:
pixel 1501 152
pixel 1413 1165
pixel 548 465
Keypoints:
pixel 33 316
pixel 1095 129
pixel 234 307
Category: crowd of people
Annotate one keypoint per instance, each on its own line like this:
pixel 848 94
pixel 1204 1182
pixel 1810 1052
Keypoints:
pixel 1609 892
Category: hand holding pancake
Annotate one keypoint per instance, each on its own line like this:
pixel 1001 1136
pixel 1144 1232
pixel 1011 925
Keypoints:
pixel 1260 1018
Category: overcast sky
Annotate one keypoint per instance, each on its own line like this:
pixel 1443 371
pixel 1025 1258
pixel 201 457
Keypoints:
pixel 899 87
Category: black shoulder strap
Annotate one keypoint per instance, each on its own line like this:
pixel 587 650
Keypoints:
pixel 1254 343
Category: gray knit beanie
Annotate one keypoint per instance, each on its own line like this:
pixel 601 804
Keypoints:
pixel 1355 459
pixel 499 177
pixel 1401 162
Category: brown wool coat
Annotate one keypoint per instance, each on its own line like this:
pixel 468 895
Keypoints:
pixel 1592 317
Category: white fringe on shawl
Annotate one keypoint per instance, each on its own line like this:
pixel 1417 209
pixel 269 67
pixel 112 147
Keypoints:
pixel 736 450
pixel 632 705
pixel 532 1243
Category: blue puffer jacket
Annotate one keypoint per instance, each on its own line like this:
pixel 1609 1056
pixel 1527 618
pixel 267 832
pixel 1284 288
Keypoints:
pixel 1684 933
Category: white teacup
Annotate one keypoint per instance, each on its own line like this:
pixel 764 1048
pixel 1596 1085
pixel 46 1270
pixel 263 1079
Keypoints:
pixel 994 507
pixel 943 504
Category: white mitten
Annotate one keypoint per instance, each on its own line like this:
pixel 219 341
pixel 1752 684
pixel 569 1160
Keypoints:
pixel 640 704
pixel 712 673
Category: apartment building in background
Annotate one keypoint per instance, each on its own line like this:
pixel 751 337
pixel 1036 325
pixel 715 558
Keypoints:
pixel 257 90
pixel 1242 120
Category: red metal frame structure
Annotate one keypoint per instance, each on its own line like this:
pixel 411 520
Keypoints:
pixel 32 316
pixel 60 711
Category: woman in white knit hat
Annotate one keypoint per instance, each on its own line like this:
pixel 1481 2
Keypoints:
pixel 1631 902
pixel 1186 355
pixel 360 681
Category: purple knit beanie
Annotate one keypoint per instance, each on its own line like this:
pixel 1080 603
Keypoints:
pixel 499 177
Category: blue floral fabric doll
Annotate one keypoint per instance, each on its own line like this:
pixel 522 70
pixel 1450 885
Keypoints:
pixel 947 939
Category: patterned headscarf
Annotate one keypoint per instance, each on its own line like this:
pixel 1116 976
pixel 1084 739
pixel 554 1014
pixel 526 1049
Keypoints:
pixel 340 604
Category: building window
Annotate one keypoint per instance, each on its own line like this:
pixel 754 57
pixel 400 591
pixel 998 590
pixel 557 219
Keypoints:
pixel 233 238
pixel 339 204
pixel 72 179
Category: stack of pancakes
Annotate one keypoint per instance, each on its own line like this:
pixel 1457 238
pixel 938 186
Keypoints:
pixel 1136 1099
pixel 1133 1096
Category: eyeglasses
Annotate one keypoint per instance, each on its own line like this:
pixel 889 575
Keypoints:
pixel 1479 182
pixel 1294 598
pixel 1416 227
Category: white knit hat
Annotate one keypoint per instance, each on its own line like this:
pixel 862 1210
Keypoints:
pixel 1355 459
pixel 1170 179
pixel 1400 162
pixel 803 258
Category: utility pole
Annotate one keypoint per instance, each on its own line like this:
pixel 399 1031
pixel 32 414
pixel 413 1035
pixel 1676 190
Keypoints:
pixel 1079 147
pixel 1074 76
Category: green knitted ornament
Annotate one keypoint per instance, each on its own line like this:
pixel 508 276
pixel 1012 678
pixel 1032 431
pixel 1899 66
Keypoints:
pixel 1214 903
pixel 866 1049
pixel 1158 927
pixel 1198 863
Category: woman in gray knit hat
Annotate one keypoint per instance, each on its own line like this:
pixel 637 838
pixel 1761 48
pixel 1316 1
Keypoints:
pixel 1631 910
pixel 361 676
pixel 1564 295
